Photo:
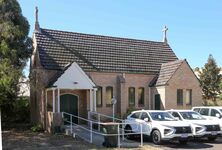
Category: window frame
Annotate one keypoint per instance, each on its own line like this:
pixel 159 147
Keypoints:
pixel 190 96
pixel 176 115
pixel 133 98
pixel 101 88
pixel 109 105
pixel 142 96
pixel 217 112
pixel 135 114
pixel 141 115
pixel 179 101
pixel 205 109
pixel 196 110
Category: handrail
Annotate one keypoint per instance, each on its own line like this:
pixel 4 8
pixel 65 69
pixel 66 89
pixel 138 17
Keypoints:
pixel 103 123
pixel 95 122
pixel 96 113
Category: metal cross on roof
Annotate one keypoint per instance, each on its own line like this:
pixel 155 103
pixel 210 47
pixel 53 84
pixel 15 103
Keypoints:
pixel 165 29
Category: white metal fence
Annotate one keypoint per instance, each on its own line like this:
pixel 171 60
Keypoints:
pixel 90 129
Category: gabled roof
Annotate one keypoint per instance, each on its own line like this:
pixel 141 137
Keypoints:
pixel 72 77
pixel 167 71
pixel 101 53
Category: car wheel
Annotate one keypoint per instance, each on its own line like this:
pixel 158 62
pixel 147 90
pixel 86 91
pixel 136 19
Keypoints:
pixel 183 141
pixel 212 138
pixel 156 137
pixel 128 131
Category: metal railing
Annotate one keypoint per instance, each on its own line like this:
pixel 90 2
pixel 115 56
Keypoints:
pixel 120 125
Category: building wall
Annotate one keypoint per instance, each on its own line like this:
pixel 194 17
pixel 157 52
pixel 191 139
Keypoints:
pixel 82 100
pixel 39 80
pixel 131 80
pixel 161 90
pixel 183 78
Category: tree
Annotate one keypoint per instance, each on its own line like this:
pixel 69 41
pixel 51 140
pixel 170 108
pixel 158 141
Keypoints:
pixel 221 89
pixel 15 49
pixel 210 80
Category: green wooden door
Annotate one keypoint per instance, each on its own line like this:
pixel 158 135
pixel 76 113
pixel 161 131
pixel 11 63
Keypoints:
pixel 157 102
pixel 69 104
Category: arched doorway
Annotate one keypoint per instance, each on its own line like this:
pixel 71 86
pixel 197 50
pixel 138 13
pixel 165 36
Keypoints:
pixel 69 104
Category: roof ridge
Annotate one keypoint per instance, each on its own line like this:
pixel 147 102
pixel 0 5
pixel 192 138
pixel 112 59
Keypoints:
pixel 107 36
pixel 171 62
pixel 101 53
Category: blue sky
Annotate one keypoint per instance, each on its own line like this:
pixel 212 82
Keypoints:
pixel 195 27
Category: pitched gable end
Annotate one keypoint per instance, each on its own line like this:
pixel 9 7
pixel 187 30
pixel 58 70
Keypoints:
pixel 73 77
pixel 167 71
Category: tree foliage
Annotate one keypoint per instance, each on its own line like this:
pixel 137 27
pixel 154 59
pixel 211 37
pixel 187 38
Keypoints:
pixel 221 89
pixel 15 49
pixel 210 80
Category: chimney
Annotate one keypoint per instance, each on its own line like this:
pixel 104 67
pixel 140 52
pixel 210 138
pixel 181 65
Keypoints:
pixel 37 27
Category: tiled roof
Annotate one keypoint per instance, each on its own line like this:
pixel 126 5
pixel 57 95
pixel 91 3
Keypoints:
pixel 58 75
pixel 167 71
pixel 101 53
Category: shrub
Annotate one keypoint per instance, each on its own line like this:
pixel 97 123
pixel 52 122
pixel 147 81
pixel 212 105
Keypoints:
pixel 21 110
pixel 128 111
pixel 37 128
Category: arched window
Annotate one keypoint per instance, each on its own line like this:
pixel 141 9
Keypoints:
pixel 109 95
pixel 99 95
pixel 131 96
pixel 141 96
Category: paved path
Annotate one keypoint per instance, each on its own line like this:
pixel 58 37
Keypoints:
pixel 201 144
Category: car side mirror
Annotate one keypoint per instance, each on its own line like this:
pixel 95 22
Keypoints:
pixel 218 115
pixel 146 119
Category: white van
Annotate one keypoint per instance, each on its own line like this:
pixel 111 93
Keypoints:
pixel 210 112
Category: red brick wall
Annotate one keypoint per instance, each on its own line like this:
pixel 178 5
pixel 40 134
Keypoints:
pixel 132 80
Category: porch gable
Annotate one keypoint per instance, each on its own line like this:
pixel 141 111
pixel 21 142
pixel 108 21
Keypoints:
pixel 74 78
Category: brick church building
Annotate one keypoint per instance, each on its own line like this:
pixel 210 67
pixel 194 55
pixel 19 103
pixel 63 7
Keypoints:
pixel 77 73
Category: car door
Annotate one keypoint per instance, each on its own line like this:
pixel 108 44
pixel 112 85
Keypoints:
pixel 134 121
pixel 146 125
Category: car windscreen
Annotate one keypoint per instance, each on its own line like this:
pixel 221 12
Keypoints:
pixel 220 110
pixel 190 115
pixel 161 116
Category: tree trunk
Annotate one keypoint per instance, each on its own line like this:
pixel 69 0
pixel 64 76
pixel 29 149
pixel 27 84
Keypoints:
pixel 204 101
pixel 215 101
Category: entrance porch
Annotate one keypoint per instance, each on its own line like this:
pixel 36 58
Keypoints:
pixel 73 92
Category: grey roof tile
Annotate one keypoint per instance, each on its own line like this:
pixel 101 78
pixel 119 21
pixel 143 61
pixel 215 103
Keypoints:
pixel 101 53
pixel 167 71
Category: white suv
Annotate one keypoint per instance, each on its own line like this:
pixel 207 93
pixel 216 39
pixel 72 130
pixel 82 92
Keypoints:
pixel 210 112
pixel 159 125
pixel 200 126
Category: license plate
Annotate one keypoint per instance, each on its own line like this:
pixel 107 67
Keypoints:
pixel 184 135
pixel 214 133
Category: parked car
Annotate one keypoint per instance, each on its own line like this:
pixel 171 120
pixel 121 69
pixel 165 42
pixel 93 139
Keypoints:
pixel 201 127
pixel 159 125
pixel 210 112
